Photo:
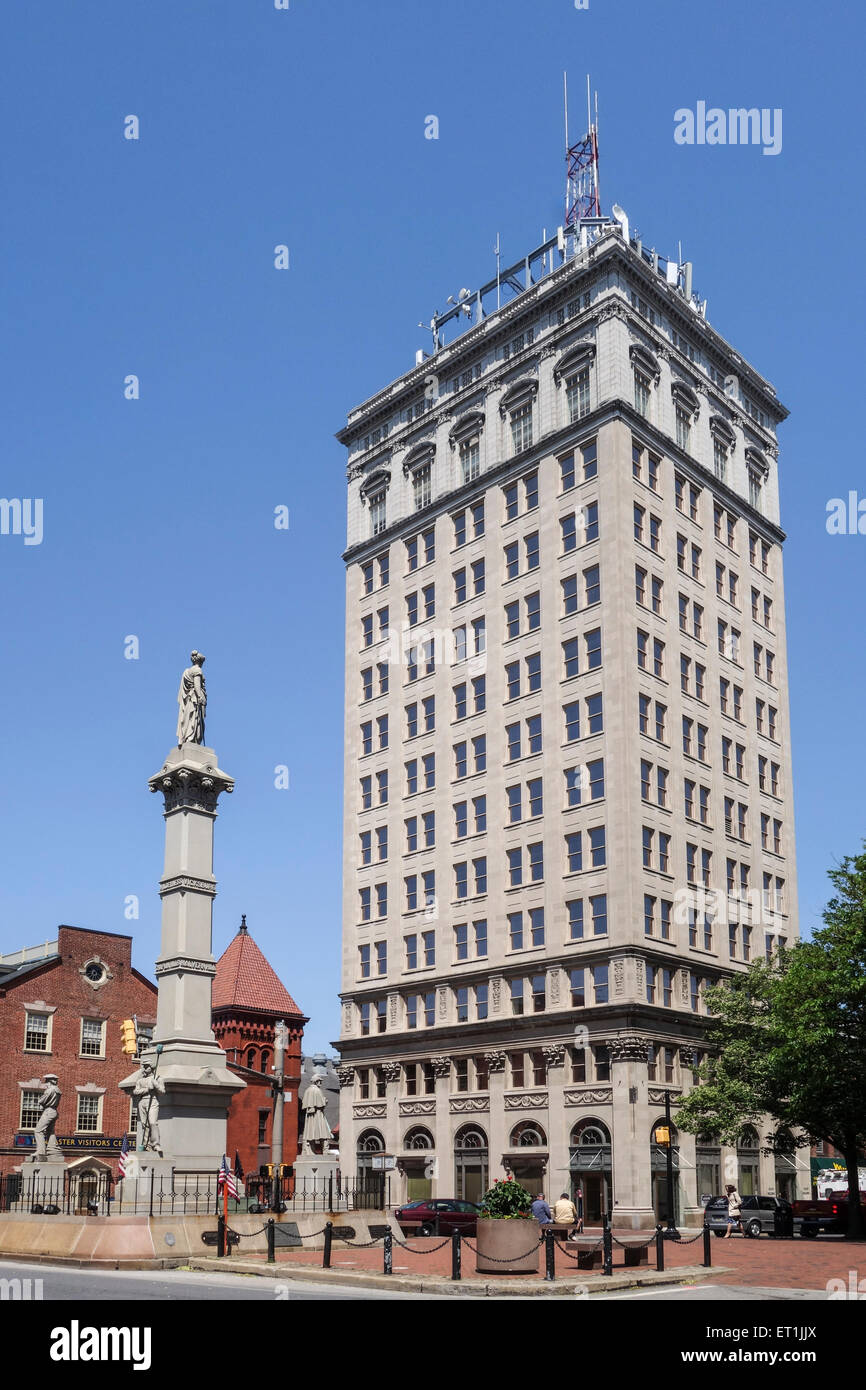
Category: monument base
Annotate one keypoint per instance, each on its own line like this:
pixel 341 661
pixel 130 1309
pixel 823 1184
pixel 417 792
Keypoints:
pixel 316 1175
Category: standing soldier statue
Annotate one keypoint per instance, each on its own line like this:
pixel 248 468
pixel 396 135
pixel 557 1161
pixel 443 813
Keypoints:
pixel 148 1089
pixel 49 1102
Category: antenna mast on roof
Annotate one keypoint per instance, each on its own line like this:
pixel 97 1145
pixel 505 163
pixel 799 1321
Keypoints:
pixel 581 164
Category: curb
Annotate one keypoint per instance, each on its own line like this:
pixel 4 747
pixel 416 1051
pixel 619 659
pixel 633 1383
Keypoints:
pixel 442 1285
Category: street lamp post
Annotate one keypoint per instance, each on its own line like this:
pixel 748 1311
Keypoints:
pixel 281 1038
pixel 671 1232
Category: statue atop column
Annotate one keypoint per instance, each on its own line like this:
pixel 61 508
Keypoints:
pixel 316 1127
pixel 148 1088
pixel 49 1103
pixel 192 701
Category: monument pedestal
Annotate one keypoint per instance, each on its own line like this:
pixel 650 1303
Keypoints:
pixel 197 1086
pixel 45 1179
pixel 316 1176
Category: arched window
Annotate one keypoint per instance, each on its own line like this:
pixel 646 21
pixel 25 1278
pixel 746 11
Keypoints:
pixel 589 1133
pixel 528 1135
pixel 265 1061
pixel 418 1138
pixel 251 1058
pixel 371 1142
pixel 470 1137
pixel 748 1138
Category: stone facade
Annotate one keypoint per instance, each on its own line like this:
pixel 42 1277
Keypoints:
pixel 567 740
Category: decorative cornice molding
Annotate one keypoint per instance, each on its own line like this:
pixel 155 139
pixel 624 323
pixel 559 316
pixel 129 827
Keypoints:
pixel 441 1066
pixel 528 1100
pixel 370 1112
pixel 416 1107
pixel 190 965
pixel 468 1105
pixel 656 1095
pixel 183 883
pixel 391 1071
pixel 345 1075
pixel 589 1095
pixel 554 1055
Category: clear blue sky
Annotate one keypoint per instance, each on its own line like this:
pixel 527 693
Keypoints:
pixel 155 257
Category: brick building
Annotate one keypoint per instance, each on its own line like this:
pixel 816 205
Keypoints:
pixel 61 1007
pixel 248 1002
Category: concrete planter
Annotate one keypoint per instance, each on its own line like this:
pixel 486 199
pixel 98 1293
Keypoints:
pixel 507 1246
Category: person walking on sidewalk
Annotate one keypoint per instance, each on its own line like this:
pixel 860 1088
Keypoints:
pixel 735 1203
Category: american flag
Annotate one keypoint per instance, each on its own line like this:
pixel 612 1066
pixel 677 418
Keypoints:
pixel 121 1166
pixel 226 1179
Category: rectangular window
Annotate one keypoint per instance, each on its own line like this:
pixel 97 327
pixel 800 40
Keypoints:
pixel 89 1107
pixel 37 1031
pixel 92 1037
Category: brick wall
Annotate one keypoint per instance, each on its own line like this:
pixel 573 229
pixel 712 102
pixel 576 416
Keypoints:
pixel 61 986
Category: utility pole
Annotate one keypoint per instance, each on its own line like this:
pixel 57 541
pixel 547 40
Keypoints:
pixel 281 1038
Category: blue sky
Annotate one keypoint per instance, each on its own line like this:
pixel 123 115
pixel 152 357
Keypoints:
pixel 155 257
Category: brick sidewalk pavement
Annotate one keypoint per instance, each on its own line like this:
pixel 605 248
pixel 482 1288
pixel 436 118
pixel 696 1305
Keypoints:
pixel 762 1263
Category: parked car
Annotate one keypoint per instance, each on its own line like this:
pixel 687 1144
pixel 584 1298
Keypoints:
pixel 828 1214
pixel 757 1214
pixel 438 1216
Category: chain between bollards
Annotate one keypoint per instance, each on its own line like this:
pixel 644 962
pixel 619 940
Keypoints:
pixel 388 1244
pixel 326 1254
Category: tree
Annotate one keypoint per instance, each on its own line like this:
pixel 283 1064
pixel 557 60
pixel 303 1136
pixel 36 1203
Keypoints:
pixel 789 1040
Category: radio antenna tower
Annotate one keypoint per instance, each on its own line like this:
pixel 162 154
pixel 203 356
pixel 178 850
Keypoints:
pixel 581 162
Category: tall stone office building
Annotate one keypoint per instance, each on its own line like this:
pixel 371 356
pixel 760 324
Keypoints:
pixel 568 796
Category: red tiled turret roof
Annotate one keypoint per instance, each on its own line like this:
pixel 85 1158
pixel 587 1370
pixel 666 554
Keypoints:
pixel 245 980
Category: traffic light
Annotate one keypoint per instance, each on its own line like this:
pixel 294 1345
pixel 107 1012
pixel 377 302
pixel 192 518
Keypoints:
pixel 128 1040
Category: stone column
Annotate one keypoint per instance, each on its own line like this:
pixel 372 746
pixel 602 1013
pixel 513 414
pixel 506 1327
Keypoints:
pixel 188 1058
pixel 632 1189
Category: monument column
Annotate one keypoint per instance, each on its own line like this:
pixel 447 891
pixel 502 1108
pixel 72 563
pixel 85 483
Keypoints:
pixel 196 1086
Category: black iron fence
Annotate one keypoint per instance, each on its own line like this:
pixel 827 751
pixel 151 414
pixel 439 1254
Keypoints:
pixel 181 1193
pixel 73 1194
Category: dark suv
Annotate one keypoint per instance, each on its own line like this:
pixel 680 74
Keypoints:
pixel 757 1215
pixel 438 1216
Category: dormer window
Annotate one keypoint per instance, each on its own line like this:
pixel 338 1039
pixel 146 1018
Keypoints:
pixel 646 373
pixel 757 469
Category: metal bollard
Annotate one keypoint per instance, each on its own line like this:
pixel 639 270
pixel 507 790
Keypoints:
pixel 272 1240
pixel 660 1248
pixel 389 1259
pixel 221 1236
pixel 708 1248
pixel 326 1255
pixel 549 1257
pixel 455 1255
pixel 607 1248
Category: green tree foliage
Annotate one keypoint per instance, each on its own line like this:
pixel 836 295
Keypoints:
pixel 789 1040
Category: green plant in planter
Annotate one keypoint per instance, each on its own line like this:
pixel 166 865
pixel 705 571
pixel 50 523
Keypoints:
pixel 506 1200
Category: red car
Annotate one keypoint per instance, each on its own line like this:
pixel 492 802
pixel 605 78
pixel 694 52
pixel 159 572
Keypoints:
pixel 438 1216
